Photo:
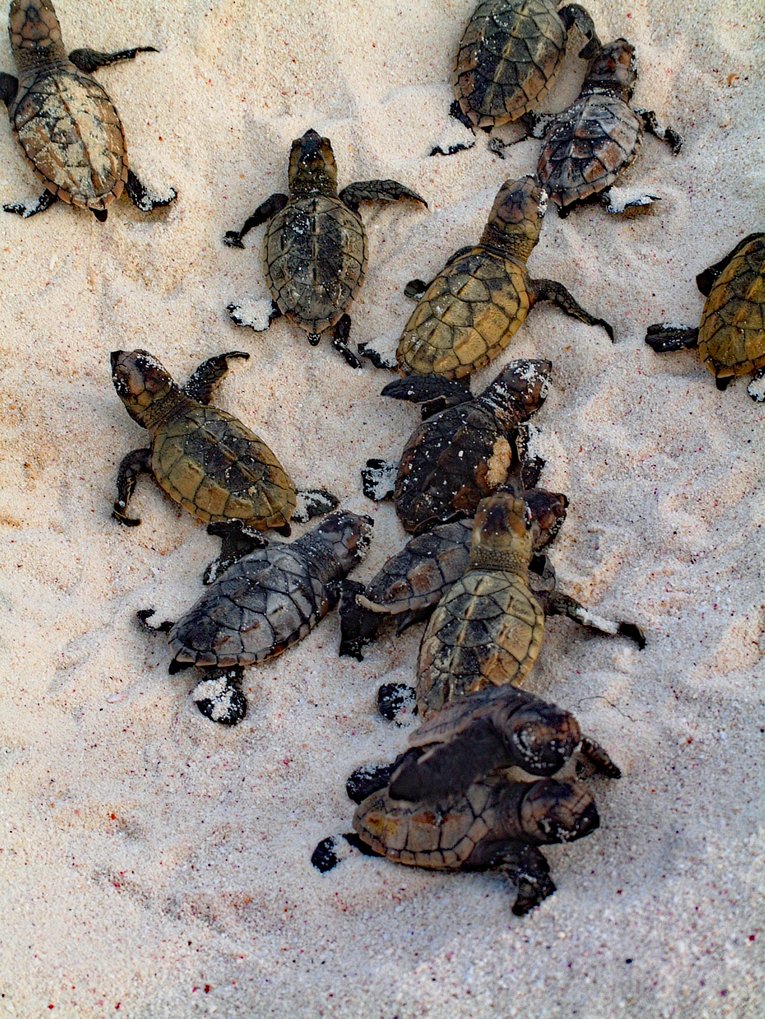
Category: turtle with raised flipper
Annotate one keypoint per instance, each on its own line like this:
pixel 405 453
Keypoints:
pixel 468 314
pixel 204 458
pixel 263 603
pixel 731 337
pixel 315 246
pixel 588 146
pixel 411 583
pixel 461 453
pixel 508 58
pixel 64 120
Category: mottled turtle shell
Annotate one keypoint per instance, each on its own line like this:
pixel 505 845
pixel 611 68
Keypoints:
pixel 315 253
pixel 508 57
pixel 466 317
pixel 732 331
pixel 588 147
pixel 71 133
pixel 487 628
pixel 217 469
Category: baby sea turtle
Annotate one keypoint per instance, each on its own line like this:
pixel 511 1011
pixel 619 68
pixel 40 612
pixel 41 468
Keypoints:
pixel 468 314
pixel 459 454
pixel 262 604
pixel 508 58
pixel 315 246
pixel 590 144
pixel 203 458
pixel 411 583
pixel 64 120
pixel 731 337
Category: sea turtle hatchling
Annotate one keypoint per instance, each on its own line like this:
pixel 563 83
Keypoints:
pixel 64 120
pixel 409 584
pixel 731 337
pixel 468 314
pixel 461 453
pixel 590 144
pixel 508 58
pixel 315 246
pixel 203 458
pixel 263 603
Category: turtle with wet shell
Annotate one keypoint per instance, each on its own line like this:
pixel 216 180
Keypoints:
pixel 467 315
pixel 508 59
pixel 315 245
pixel 409 584
pixel 64 120
pixel 589 145
pixel 266 601
pixel 464 449
pixel 203 458
pixel 731 337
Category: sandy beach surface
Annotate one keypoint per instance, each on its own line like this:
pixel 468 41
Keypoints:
pixel 153 864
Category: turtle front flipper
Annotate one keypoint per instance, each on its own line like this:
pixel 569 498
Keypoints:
pixel 265 211
pixel 25 209
pixel 756 388
pixel 664 338
pixel 664 134
pixel 573 14
pixel 219 695
pixel 395 701
pixel 707 279
pixel 204 379
pixel 237 541
pixel 433 392
pixel 557 604
pixel 378 479
pixel 358 625
pixel 313 502
pixel 377 191
pixel 88 60
pixel 550 290
pixel 526 868
pixel 142 198
pixel 9 86
pixel 340 334
pixel 136 462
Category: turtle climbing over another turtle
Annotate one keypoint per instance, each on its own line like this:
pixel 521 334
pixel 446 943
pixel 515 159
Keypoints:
pixel 203 458
pixel 263 603
pixel 731 337
pixel 461 453
pixel 410 584
pixel 590 144
pixel 508 58
pixel 315 246
pixel 64 120
pixel 470 311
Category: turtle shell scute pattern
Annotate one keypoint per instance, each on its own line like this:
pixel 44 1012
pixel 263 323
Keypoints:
pixel 315 253
pixel 732 332
pixel 507 59
pixel 466 317
pixel 219 470
pixel 261 605
pixel 587 147
pixel 72 134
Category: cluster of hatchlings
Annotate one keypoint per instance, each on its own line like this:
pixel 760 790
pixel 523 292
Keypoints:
pixel 464 486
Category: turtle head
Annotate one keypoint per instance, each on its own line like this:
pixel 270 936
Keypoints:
pixel 502 536
pixel 613 69
pixel 349 536
pixel 35 33
pixel 542 737
pixel 516 216
pixel 553 811
pixel 312 165
pixel 548 511
pixel 141 382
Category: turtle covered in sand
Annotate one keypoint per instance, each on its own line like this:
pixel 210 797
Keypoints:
pixel 64 120
pixel 731 336
pixel 315 246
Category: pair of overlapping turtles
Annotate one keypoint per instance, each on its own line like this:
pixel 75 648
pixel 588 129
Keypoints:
pixel 448 801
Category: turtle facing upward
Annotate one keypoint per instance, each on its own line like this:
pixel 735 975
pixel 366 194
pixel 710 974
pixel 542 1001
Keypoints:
pixel 315 246
pixel 731 337
pixel 64 120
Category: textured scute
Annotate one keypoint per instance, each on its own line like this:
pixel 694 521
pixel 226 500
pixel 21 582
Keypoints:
pixel 507 59
pixel 72 134
pixel 466 317
pixel 444 470
pixel 218 469
pixel 588 146
pixel 487 628
pixel 732 333
pixel 262 604
pixel 315 252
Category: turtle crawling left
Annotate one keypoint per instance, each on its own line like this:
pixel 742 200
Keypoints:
pixel 64 120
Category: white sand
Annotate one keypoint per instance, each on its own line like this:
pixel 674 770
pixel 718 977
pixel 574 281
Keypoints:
pixel 155 864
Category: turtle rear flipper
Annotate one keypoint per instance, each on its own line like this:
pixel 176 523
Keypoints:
pixel 330 851
pixel 378 479
pixel 27 209
pixel 664 338
pixel 142 198
pixel 219 696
